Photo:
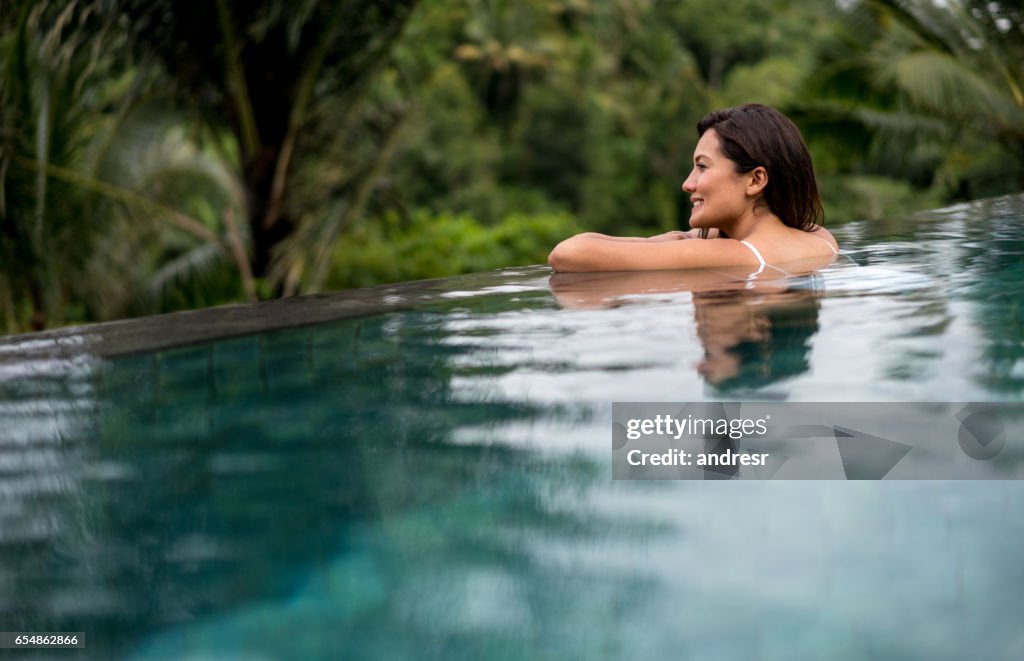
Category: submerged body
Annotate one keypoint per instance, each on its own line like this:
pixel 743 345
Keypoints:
pixel 752 187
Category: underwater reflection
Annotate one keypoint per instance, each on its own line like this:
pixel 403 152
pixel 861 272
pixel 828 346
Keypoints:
pixel 752 340
pixel 312 473
pixel 753 332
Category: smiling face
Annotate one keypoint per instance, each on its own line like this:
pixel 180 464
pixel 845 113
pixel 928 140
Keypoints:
pixel 719 194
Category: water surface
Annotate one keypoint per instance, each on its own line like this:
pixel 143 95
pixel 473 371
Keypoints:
pixel 423 471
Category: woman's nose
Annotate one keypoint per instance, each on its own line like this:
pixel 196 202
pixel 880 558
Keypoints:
pixel 689 185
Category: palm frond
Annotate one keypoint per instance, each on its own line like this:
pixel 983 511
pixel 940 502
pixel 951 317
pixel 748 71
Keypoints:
pixel 943 83
pixel 192 265
pixel 899 121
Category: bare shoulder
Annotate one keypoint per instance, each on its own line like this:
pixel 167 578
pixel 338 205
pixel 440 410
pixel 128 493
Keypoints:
pixel 825 236
pixel 780 244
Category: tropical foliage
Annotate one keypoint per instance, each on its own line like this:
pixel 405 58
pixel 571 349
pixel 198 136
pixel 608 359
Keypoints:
pixel 925 93
pixel 158 155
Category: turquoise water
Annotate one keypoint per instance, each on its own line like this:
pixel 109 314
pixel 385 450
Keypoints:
pixel 431 480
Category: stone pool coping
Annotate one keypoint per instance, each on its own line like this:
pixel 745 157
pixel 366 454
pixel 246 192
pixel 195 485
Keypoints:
pixel 163 331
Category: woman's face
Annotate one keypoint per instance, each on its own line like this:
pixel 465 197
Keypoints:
pixel 718 193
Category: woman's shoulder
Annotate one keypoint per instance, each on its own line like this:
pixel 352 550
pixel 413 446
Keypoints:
pixel 785 244
pixel 826 236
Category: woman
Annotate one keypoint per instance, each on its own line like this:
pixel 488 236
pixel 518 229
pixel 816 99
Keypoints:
pixel 752 188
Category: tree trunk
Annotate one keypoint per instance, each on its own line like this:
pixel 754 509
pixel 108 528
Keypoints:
pixel 259 181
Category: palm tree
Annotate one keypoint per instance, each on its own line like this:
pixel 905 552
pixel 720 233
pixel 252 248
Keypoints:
pixel 257 70
pixel 48 108
pixel 263 81
pixel 90 198
pixel 927 91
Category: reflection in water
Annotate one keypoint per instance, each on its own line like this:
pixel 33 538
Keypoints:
pixel 752 340
pixel 995 252
pixel 315 465
pixel 753 333
pixel 433 483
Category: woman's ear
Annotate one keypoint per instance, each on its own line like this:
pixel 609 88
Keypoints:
pixel 758 180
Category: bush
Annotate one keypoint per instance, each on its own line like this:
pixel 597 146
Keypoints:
pixel 392 249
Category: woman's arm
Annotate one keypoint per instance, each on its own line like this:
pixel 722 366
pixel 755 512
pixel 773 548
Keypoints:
pixel 596 252
pixel 674 235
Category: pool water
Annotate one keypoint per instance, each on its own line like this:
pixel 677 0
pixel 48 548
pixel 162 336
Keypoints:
pixel 422 471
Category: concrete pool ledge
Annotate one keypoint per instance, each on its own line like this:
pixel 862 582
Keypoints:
pixel 163 331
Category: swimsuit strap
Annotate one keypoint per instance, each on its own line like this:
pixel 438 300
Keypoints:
pixel 757 253
pixel 752 278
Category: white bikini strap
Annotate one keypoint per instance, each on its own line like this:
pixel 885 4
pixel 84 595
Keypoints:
pixel 757 253
pixel 752 278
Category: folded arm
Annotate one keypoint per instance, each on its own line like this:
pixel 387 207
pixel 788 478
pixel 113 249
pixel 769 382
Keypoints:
pixel 674 235
pixel 597 252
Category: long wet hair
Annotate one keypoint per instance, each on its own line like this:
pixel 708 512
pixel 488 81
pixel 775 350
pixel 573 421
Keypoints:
pixel 754 135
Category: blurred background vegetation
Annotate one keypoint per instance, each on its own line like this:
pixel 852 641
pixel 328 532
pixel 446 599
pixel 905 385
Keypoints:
pixel 158 155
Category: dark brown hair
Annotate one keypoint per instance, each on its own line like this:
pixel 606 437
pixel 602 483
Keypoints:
pixel 754 135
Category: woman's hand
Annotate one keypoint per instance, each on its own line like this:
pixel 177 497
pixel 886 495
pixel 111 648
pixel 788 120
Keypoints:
pixel 676 235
